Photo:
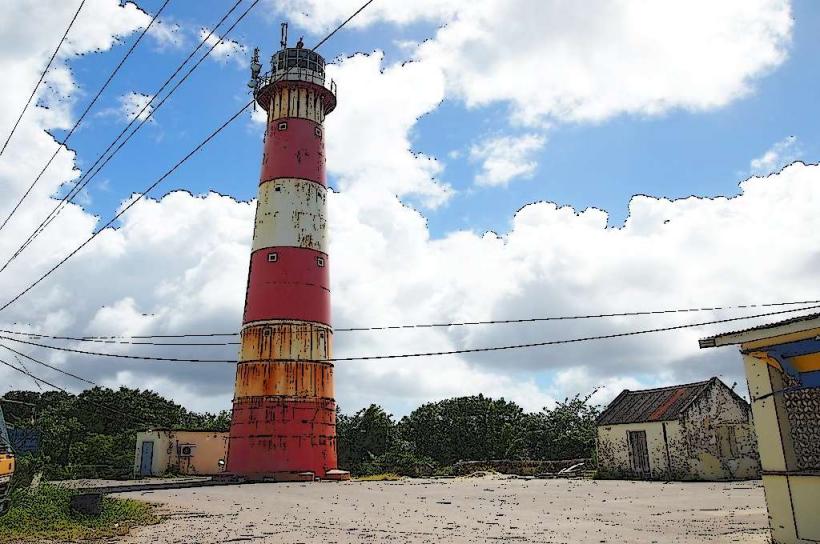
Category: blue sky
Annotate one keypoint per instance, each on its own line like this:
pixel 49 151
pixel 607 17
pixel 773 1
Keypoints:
pixel 605 105
pixel 676 154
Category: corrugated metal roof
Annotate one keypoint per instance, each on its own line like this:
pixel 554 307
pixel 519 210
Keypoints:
pixel 662 404
pixel 710 341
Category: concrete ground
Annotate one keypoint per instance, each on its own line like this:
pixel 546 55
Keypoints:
pixel 460 510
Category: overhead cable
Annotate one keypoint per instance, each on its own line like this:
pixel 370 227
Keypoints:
pixel 129 205
pixel 97 165
pixel 423 354
pixel 127 339
pixel 42 76
pixel 87 109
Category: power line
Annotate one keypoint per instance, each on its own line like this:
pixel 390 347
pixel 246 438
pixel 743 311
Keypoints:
pixel 42 76
pixel 134 201
pixel 129 205
pixel 122 339
pixel 429 353
pixel 87 109
pixel 100 405
pixel 89 175
pixel 338 28
pixel 57 369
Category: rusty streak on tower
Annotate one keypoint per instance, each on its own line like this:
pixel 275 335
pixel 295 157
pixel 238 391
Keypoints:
pixel 284 414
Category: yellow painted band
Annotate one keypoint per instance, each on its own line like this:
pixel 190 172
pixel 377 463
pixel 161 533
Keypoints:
pixel 290 379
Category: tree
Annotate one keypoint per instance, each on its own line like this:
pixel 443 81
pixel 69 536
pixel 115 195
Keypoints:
pixel 473 428
pixel 566 431
pixel 368 433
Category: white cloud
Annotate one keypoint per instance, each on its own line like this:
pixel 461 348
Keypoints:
pixel 167 35
pixel 587 61
pixel 776 157
pixel 131 105
pixel 225 50
pixel 373 149
pixel 180 265
pixel 504 158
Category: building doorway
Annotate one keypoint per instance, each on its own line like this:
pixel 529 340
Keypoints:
pixel 147 458
pixel 639 454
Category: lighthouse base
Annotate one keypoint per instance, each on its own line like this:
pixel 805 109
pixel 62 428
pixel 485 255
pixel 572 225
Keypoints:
pixel 282 439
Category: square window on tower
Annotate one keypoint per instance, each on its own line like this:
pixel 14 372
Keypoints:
pixel 318 132
pixel 273 257
pixel 320 261
pixel 283 125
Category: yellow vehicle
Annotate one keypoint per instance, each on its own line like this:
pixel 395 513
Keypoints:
pixel 6 465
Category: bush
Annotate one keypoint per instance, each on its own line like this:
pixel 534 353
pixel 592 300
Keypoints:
pixel 43 513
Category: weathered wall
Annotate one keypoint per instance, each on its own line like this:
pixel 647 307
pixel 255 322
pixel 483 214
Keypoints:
pixel 160 461
pixel 613 450
pixel 209 448
pixel 719 412
pixel 692 449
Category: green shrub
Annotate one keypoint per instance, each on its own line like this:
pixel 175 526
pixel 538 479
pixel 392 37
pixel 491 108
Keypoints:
pixel 44 513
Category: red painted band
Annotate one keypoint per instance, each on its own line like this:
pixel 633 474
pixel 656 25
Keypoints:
pixel 272 435
pixel 288 283
pixel 294 149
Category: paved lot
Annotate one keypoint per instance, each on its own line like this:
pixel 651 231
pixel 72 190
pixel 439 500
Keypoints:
pixel 460 510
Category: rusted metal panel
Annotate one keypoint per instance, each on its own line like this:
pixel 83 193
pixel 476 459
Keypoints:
pixel 270 436
pixel 291 212
pixel 297 340
pixel 290 379
pixel 662 404
pixel 294 149
pixel 288 283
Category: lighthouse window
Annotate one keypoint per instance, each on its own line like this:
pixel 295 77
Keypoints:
pixel 320 261
pixel 266 331
pixel 318 132
pixel 272 257
pixel 283 125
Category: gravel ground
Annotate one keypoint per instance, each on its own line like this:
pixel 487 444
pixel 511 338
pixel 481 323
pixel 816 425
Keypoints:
pixel 460 510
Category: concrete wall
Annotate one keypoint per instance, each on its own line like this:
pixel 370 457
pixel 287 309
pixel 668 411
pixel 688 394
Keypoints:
pixel 613 450
pixel 716 414
pixel 207 449
pixel 691 449
pixel 161 442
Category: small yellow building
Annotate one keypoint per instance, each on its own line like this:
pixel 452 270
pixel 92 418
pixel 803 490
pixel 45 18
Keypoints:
pixel 695 431
pixel 782 363
pixel 164 451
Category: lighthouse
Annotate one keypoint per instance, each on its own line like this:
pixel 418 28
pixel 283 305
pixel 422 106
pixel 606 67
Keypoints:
pixel 283 426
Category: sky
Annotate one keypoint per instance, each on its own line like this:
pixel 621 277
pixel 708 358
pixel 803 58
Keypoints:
pixel 490 159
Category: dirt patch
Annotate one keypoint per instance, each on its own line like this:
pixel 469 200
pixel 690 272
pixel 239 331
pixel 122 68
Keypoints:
pixel 460 510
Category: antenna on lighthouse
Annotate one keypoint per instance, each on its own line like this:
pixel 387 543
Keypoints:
pixel 284 40
pixel 256 67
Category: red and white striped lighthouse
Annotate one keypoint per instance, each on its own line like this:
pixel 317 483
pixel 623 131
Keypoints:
pixel 284 414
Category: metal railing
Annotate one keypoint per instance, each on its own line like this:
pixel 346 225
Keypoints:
pixel 295 74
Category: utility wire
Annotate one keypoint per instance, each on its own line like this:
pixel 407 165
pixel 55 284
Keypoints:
pixel 90 173
pixel 423 354
pixel 107 411
pixel 87 109
pixel 124 339
pixel 57 369
pixel 134 201
pixel 338 28
pixel 130 204
pixel 42 76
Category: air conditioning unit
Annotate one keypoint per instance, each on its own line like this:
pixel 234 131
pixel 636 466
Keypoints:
pixel 186 450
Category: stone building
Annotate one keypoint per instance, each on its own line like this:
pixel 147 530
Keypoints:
pixel 696 431
pixel 166 451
